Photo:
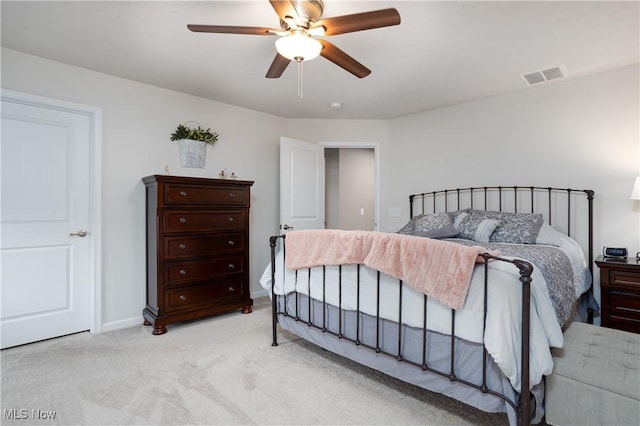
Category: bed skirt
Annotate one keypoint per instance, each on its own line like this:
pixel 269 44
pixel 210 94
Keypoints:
pixel 398 352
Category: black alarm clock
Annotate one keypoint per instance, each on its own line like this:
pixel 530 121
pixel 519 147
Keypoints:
pixel 614 252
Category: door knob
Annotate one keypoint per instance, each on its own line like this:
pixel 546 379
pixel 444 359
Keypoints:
pixel 80 233
pixel 286 227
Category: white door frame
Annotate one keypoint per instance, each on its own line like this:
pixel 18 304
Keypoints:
pixel 95 187
pixel 376 158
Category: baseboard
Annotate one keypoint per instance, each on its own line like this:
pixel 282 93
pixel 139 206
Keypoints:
pixel 135 321
pixel 258 294
pixel 124 323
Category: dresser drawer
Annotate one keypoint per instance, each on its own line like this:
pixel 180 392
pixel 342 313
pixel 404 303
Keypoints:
pixel 624 324
pixel 203 220
pixel 185 272
pixel 200 295
pixel 181 247
pixel 624 305
pixel 625 278
pixel 179 194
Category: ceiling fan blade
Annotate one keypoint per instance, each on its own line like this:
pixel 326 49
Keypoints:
pixel 278 66
pixel 284 8
pixel 226 29
pixel 359 21
pixel 340 58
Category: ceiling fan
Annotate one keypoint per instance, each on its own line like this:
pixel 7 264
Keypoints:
pixel 300 24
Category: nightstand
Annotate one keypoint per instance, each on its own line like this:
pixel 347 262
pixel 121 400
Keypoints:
pixel 620 288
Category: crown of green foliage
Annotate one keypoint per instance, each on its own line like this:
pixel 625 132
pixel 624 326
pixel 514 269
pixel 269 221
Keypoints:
pixel 194 133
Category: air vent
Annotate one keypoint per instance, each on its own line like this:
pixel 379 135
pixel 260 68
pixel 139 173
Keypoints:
pixel 537 77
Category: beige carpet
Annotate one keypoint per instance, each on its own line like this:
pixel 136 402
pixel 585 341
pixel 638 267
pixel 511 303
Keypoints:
pixel 221 370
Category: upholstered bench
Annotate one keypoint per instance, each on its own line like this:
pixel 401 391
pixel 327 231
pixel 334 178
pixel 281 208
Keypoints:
pixel 596 378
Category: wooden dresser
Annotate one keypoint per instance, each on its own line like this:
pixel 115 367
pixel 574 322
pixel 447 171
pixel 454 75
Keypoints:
pixel 620 288
pixel 197 248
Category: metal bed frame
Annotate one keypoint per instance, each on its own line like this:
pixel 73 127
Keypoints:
pixel 511 199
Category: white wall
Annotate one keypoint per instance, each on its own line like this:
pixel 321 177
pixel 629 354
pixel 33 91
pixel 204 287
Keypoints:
pixel 357 189
pixel 580 133
pixel 332 188
pixel 137 122
pixel 338 130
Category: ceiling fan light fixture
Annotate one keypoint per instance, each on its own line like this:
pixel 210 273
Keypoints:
pixel 298 46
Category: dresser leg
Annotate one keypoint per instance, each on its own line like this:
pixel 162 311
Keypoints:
pixel 159 329
pixel 247 309
pixel 146 322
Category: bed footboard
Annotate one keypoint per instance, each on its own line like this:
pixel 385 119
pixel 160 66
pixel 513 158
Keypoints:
pixel 523 408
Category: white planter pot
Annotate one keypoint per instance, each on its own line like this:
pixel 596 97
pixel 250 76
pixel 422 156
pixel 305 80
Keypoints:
pixel 192 153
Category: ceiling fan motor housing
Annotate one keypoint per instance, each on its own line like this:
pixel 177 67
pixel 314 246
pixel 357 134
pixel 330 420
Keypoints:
pixel 308 12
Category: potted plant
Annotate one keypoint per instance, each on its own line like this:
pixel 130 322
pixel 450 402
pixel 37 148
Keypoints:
pixel 193 143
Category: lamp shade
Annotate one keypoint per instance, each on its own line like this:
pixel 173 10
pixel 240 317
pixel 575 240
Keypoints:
pixel 635 192
pixel 298 47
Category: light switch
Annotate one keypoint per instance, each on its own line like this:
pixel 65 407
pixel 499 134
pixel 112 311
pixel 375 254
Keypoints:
pixel 362 211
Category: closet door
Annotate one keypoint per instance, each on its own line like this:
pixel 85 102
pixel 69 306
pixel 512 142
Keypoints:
pixel 46 229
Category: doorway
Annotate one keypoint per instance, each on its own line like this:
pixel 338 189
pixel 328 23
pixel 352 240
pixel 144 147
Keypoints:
pixel 371 176
pixel 350 189
pixel 302 183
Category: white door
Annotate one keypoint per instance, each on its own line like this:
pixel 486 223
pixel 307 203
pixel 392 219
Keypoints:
pixel 301 185
pixel 45 215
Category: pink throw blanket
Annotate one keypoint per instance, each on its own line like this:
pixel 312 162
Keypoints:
pixel 440 269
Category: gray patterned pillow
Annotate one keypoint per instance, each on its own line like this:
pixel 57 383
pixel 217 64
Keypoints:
pixel 433 225
pixel 447 231
pixel 475 228
pixel 516 228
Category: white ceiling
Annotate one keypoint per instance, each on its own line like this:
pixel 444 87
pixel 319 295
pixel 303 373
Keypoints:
pixel 443 53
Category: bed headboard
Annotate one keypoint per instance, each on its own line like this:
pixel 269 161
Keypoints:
pixel 569 211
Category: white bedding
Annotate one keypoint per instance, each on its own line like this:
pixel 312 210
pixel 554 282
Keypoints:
pixel 502 335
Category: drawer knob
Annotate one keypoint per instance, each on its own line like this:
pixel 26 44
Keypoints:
pixel 231 242
pixel 182 246
pixel 232 266
pixel 230 219
pixel 183 272
pixel 232 195
pixel 183 193
pixel 183 220
pixel 232 289
pixel 182 297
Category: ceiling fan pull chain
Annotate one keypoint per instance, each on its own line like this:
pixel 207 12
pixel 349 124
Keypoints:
pixel 300 94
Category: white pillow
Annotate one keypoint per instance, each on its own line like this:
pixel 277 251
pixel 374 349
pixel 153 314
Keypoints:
pixel 573 250
pixel 474 228
pixel 548 236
